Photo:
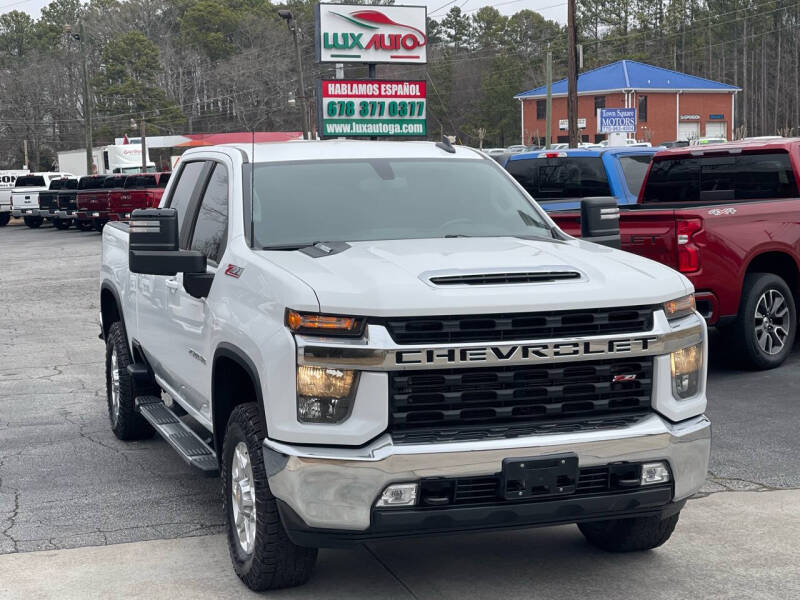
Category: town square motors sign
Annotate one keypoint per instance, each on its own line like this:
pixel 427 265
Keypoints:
pixel 357 108
pixel 347 33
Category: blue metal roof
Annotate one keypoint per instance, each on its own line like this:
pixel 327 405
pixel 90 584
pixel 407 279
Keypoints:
pixel 632 75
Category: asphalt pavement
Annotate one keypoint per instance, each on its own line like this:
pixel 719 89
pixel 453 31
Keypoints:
pixel 67 482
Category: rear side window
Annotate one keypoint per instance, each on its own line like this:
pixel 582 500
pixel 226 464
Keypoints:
pixel 720 178
pixel 211 225
pixel 557 178
pixel 183 190
pixel 30 181
pixel 163 180
pixel 634 168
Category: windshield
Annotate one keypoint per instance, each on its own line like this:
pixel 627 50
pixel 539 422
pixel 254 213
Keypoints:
pixel 299 203
pixel 558 178
pixel 91 182
pixel 30 181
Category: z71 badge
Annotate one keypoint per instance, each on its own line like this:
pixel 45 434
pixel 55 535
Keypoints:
pixel 234 271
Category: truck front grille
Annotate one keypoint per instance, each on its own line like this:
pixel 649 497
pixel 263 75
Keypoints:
pixel 519 326
pixel 513 401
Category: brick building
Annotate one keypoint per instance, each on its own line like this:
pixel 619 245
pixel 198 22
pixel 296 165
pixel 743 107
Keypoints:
pixel 669 105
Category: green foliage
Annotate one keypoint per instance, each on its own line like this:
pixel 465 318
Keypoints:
pixel 16 33
pixel 210 26
pixel 127 84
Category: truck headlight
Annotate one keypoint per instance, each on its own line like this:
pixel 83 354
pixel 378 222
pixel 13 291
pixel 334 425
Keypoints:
pixel 324 395
pixel 687 365
pixel 680 307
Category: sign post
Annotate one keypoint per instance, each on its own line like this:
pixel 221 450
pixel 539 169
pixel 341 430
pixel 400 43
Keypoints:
pixel 617 123
pixel 371 35
pixel 352 108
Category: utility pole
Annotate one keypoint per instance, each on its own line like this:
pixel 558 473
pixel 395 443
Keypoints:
pixel 572 81
pixel 144 144
pixel 25 152
pixel 87 100
pixel 292 24
pixel 548 129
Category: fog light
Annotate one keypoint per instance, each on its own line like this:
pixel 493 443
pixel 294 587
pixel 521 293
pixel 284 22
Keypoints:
pixel 398 494
pixel 687 364
pixel 656 472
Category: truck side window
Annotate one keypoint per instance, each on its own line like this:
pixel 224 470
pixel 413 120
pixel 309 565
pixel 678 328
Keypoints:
pixel 211 225
pixel 182 194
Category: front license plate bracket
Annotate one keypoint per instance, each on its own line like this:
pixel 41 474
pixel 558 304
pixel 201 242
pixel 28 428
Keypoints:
pixel 543 476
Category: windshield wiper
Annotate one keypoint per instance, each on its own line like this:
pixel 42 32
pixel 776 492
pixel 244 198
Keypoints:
pixel 315 249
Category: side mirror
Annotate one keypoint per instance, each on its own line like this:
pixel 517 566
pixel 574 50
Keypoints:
pixel 153 245
pixel 600 221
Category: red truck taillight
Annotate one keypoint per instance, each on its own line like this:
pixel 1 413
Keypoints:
pixel 688 252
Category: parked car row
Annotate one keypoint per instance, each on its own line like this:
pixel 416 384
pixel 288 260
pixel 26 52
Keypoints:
pixel 725 215
pixel 88 203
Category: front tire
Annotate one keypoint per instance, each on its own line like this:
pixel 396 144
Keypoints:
pixel 765 329
pixel 84 225
pixel 263 556
pixel 33 222
pixel 126 423
pixel 629 535
pixel 5 217
pixel 61 223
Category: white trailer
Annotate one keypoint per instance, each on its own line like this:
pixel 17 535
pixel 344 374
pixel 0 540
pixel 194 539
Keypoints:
pixel 121 158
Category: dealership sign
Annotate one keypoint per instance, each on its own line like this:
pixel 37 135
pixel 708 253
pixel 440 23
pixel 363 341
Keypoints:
pixel 365 34
pixel 616 120
pixel 372 108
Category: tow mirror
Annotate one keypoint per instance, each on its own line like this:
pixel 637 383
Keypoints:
pixel 600 221
pixel 153 245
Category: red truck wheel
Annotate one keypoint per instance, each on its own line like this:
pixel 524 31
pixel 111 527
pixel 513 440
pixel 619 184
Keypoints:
pixel 766 326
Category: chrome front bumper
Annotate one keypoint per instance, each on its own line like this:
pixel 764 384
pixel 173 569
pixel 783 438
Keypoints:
pixel 336 488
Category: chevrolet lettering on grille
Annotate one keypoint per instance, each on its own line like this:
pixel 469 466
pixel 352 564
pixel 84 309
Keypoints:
pixel 524 352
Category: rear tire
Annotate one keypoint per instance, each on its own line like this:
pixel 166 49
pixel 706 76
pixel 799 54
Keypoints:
pixel 84 225
pixel 33 222
pixel 263 556
pixel 4 218
pixel 97 224
pixel 61 223
pixel 629 535
pixel 766 326
pixel 126 422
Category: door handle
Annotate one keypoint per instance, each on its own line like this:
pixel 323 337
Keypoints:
pixel 172 284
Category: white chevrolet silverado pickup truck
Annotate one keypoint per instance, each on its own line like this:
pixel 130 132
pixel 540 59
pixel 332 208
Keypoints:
pixel 380 339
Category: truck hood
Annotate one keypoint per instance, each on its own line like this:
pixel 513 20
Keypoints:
pixel 392 278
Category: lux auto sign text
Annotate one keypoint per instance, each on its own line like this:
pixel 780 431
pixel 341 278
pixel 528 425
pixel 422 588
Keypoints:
pixel 385 34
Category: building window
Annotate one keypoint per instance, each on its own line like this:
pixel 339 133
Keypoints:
pixel 642 109
pixel 541 109
pixel 599 102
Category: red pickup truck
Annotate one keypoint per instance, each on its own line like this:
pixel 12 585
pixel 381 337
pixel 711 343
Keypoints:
pixel 143 190
pixel 728 217
pixel 93 203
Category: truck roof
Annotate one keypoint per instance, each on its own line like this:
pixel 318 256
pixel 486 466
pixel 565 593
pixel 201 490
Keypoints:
pixel 756 143
pixel 344 149
pixel 588 152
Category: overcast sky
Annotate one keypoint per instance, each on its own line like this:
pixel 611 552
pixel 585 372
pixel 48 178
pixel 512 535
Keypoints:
pixel 550 9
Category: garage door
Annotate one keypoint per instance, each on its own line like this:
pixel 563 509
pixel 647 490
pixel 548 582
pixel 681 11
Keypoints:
pixel 688 131
pixel 716 129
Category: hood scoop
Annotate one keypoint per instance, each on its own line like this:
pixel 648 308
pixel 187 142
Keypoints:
pixel 501 277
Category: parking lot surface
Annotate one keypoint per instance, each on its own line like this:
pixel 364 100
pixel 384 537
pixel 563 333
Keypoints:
pixel 67 482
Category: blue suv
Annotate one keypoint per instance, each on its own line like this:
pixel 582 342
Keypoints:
pixel 559 179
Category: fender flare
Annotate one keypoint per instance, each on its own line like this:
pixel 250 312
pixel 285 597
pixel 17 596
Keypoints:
pixel 240 357
pixel 106 286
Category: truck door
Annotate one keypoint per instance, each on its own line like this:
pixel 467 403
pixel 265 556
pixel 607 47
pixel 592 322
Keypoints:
pixel 156 330
pixel 192 318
